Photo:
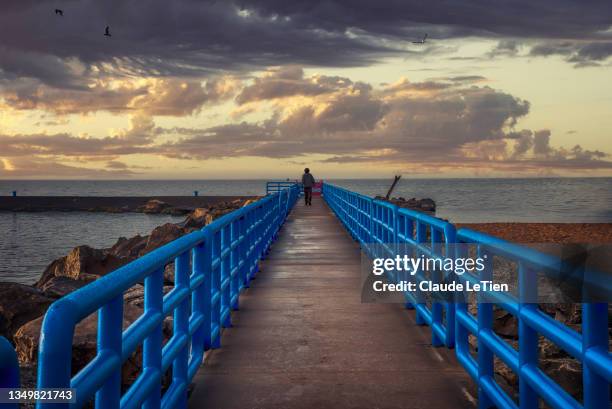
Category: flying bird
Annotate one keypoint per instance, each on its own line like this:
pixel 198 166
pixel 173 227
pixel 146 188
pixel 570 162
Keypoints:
pixel 107 31
pixel 60 12
pixel 421 41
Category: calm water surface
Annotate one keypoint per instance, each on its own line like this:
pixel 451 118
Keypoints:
pixel 30 241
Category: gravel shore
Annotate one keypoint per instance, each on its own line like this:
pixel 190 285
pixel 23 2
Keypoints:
pixel 546 232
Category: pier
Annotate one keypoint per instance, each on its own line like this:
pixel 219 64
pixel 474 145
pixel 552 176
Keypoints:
pixel 303 339
pixel 266 313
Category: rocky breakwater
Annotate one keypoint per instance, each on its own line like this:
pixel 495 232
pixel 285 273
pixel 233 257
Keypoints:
pixel 553 361
pixel 22 307
pixel 422 205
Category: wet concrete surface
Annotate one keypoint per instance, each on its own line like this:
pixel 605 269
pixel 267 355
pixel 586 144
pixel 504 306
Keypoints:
pixel 303 339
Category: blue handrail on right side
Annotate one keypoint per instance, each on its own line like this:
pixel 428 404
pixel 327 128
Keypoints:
pixel 383 227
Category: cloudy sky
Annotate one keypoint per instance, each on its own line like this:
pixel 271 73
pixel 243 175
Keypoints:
pixel 256 89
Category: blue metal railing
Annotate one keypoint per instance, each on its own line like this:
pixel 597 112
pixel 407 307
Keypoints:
pixel 276 186
pixel 590 348
pixel 383 227
pixel 212 266
pixel 9 369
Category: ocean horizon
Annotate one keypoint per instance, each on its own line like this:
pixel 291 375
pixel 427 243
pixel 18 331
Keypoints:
pixel 462 200
pixel 32 240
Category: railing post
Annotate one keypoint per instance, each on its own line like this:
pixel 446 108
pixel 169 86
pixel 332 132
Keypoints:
pixel 55 350
pixel 528 337
pixel 235 286
pixel 152 350
pixel 198 308
pixel 450 238
pixel 110 331
pixel 181 326
pixel 594 336
pixel 409 232
pixel 9 369
pixel 217 303
pixel 225 275
pixel 462 345
pixel 436 276
pixel 485 324
pixel 421 237
pixel 207 287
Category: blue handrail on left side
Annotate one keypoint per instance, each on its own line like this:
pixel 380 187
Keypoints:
pixel 9 369
pixel 212 266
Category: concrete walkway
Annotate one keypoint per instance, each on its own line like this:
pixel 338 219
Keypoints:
pixel 303 339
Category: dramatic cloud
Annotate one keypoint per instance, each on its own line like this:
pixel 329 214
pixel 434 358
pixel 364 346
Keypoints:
pixel 136 139
pixel 286 82
pixel 445 122
pixel 401 123
pixel 186 38
pixel 583 53
pixel 48 168
pixel 153 96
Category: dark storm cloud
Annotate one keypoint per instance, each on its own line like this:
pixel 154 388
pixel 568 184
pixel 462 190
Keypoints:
pixel 157 37
pixel 521 18
pixel 580 53
pixel 186 37
pixel 505 48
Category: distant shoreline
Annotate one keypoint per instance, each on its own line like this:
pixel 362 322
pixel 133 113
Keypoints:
pixel 560 233
pixel 107 204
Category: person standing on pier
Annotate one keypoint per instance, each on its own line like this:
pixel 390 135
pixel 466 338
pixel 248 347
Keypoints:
pixel 308 182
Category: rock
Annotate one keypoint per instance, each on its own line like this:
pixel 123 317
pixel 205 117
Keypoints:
pixel 568 313
pixel 162 235
pixel 504 324
pixel 169 273
pixel 82 259
pixel 135 295
pixel 199 218
pixel 20 304
pixel 566 372
pixel 427 205
pixel 510 379
pixel 129 248
pixel 249 201
pixel 28 378
pixel 153 206
pixel 423 205
pixel 175 211
pixel 58 287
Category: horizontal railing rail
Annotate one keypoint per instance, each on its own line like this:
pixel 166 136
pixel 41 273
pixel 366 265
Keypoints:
pixel 277 186
pixel 590 347
pixel 211 267
pixel 382 229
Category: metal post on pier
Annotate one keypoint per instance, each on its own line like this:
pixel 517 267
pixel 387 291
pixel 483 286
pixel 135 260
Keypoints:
pixel 14 193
